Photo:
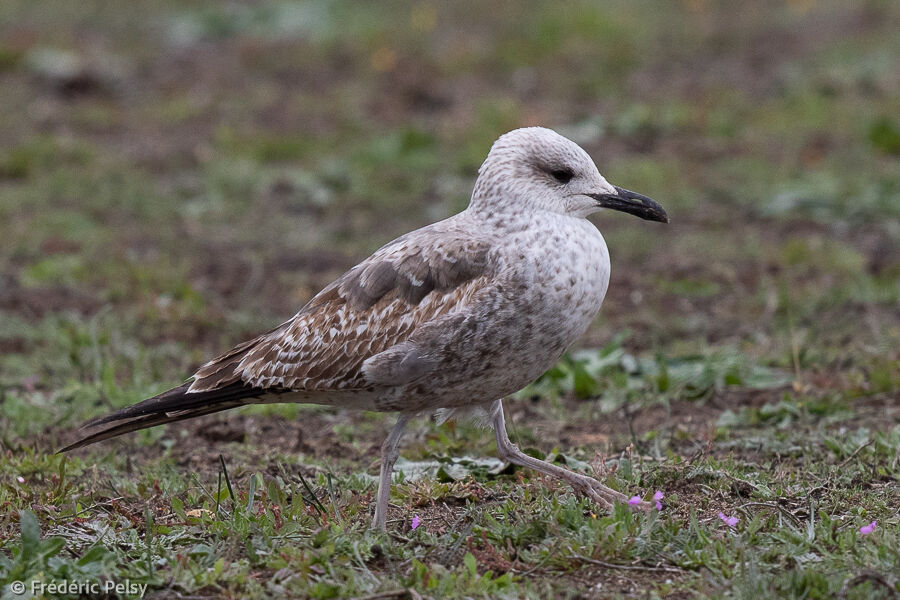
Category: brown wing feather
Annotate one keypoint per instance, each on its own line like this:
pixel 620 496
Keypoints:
pixel 374 306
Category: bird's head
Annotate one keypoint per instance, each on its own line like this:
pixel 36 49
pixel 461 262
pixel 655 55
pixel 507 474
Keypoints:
pixel 535 168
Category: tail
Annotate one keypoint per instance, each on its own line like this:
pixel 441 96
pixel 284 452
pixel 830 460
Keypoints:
pixel 174 405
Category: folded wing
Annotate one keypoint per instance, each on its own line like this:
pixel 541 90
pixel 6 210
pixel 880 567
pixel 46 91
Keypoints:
pixel 373 309
pixel 376 305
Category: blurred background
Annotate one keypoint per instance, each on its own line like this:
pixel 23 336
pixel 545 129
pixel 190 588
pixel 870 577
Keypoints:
pixel 178 176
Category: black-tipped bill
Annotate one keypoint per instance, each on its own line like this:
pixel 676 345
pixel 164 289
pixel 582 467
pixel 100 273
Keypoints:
pixel 633 204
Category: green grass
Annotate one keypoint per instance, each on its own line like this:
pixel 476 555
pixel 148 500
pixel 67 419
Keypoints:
pixel 214 165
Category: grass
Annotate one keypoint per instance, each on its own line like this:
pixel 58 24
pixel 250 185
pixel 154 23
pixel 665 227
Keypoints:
pixel 208 167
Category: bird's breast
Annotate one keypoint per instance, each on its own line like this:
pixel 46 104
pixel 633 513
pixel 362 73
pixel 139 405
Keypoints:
pixel 561 269
pixel 565 267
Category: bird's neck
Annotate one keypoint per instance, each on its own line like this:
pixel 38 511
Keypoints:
pixel 490 197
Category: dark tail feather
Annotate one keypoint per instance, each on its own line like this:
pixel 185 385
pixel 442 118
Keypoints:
pixel 174 405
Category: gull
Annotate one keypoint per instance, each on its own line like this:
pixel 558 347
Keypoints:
pixel 451 317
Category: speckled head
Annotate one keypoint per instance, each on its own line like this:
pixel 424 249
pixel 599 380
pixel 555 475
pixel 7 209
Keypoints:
pixel 535 169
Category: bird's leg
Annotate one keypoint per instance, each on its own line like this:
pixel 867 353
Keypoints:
pixel 587 486
pixel 389 454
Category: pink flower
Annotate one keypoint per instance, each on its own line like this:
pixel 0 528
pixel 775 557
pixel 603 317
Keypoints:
pixel 730 521
pixel 634 501
pixel 867 529
pixel 416 521
pixel 657 497
pixel 20 479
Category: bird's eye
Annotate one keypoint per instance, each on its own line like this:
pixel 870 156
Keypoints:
pixel 562 175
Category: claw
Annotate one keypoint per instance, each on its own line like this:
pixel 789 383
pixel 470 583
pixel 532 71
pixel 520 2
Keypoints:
pixel 601 494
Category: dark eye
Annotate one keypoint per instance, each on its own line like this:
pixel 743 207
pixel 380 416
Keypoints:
pixel 562 175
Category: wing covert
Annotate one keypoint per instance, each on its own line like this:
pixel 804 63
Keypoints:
pixel 374 306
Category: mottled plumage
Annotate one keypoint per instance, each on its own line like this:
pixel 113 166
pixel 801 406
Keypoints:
pixel 454 315
pixel 394 295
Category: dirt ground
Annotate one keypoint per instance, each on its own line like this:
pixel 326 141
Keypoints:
pixel 175 178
